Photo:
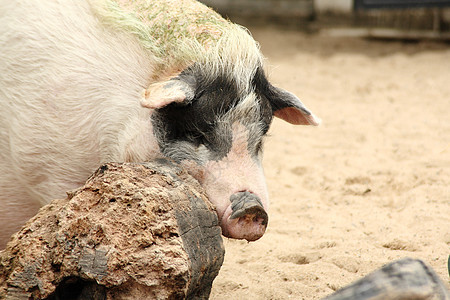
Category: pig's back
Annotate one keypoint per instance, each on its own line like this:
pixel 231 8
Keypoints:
pixel 69 87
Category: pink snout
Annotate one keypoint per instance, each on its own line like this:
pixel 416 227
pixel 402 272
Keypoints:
pixel 245 218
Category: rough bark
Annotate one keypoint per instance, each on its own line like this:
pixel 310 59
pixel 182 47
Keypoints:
pixel 133 231
pixel 404 279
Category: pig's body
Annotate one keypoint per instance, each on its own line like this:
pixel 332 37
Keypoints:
pixel 83 83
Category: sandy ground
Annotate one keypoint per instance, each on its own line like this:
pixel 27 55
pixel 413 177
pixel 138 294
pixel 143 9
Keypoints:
pixel 369 186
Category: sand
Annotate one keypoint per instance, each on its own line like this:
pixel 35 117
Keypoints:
pixel 368 186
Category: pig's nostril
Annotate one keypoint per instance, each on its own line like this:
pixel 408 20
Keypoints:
pixel 251 220
pixel 247 207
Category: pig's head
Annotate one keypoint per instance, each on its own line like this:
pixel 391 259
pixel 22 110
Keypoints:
pixel 216 128
pixel 212 112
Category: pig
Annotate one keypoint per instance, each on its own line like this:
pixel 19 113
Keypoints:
pixel 85 82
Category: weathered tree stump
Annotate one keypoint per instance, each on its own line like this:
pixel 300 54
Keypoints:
pixel 404 279
pixel 133 231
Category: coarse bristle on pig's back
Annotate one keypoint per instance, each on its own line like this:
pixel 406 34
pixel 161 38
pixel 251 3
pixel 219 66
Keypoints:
pixel 179 33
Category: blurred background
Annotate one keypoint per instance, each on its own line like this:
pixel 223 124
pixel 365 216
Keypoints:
pixel 374 18
pixel 371 184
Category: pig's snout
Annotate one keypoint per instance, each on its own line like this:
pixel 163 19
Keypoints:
pixel 246 203
pixel 245 218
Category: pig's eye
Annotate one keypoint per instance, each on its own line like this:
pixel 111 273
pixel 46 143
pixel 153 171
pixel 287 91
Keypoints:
pixel 209 140
pixel 202 140
pixel 196 138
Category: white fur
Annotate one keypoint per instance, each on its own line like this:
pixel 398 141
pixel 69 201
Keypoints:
pixel 69 101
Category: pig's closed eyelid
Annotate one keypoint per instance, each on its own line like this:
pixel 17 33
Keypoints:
pixel 198 93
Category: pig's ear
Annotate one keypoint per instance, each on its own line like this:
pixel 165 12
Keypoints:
pixel 288 107
pixel 175 90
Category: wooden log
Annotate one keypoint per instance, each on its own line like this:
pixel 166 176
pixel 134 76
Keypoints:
pixel 400 280
pixel 133 231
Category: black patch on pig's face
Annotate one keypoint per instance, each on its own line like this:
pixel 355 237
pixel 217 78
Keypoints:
pixel 201 130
